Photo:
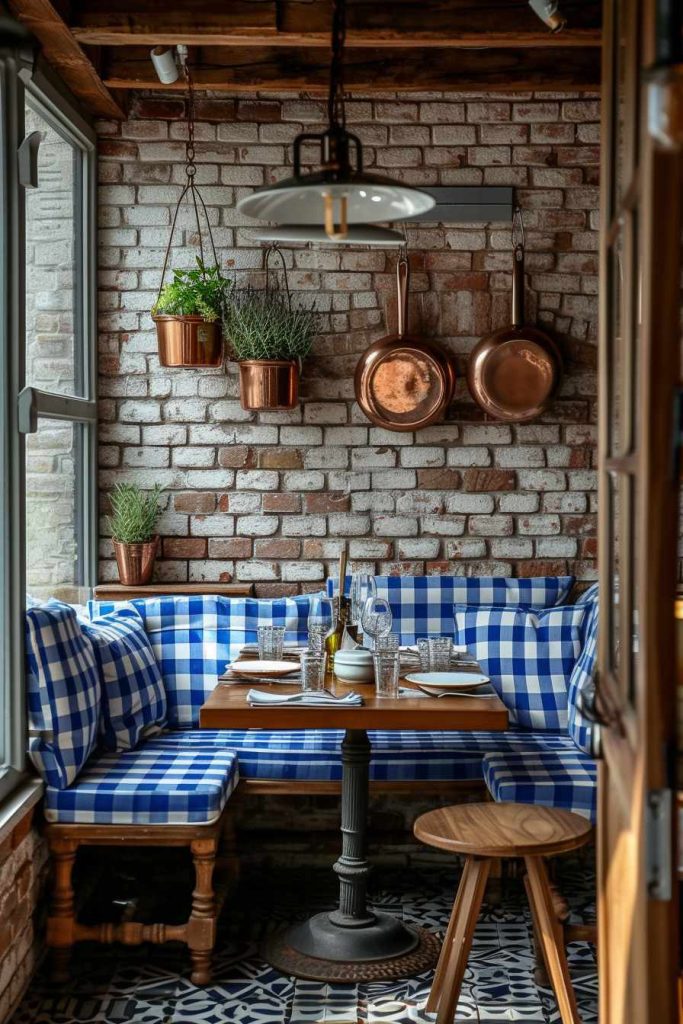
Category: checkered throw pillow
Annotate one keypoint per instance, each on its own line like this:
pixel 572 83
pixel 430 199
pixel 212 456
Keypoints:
pixel 529 657
pixel 133 695
pixel 63 693
pixel 423 605
pixel 582 682
pixel 194 638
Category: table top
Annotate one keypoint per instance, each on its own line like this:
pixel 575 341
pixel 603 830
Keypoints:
pixel 227 708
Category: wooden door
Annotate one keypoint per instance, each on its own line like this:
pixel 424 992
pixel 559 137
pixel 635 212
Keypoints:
pixel 639 372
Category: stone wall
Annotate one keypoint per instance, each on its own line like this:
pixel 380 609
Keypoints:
pixel 268 498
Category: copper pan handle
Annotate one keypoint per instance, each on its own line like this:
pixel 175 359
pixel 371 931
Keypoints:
pixel 402 281
pixel 518 286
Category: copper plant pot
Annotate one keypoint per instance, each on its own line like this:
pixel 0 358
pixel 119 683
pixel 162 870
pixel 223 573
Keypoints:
pixel 136 561
pixel 188 341
pixel 269 384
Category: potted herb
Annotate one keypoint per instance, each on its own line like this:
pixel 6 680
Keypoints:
pixel 133 520
pixel 270 339
pixel 188 316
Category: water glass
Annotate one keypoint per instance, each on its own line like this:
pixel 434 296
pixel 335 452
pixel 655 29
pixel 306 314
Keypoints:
pixel 313 671
pixel 388 642
pixel 321 622
pixel 439 652
pixel 363 586
pixel 387 670
pixel 271 642
pixel 423 653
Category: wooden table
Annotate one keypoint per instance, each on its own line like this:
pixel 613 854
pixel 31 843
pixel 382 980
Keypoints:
pixel 353 943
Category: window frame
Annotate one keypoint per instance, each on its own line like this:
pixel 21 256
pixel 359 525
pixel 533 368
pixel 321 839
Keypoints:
pixel 23 78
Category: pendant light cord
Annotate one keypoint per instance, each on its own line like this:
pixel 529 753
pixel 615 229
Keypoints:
pixel 335 104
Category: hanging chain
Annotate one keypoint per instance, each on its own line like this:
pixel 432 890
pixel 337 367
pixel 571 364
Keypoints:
pixel 335 103
pixel 517 228
pixel 190 166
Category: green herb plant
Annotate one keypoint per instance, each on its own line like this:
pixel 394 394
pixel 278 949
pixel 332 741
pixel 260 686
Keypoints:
pixel 135 513
pixel 261 325
pixel 202 291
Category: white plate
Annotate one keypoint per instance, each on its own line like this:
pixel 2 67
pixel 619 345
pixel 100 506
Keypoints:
pixel 264 668
pixel 448 680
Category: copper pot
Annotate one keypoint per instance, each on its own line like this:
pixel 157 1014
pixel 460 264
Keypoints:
pixel 269 384
pixel 136 561
pixel 513 373
pixel 188 341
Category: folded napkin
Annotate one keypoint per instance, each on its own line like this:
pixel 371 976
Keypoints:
pixel 311 699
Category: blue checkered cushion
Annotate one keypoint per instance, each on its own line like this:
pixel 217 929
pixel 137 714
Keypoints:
pixel 193 639
pixel 147 787
pixel 529 657
pixel 565 779
pixel 314 755
pixel 133 695
pixel 581 684
pixel 63 693
pixel 423 605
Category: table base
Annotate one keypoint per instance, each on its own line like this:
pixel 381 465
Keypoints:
pixel 422 954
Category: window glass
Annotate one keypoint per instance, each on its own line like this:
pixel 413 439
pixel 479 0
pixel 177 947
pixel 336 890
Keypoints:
pixel 53 458
pixel 53 271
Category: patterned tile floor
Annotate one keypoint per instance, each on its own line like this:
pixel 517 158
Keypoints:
pixel 151 986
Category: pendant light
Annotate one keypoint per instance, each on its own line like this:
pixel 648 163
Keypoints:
pixel 341 193
pixel 356 234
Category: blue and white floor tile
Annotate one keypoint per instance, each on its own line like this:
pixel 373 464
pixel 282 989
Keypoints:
pixel 150 985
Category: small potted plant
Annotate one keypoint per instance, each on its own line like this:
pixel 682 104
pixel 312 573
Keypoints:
pixel 133 520
pixel 188 316
pixel 269 339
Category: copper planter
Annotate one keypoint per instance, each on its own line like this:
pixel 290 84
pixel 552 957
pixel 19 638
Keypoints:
pixel 136 561
pixel 269 384
pixel 188 341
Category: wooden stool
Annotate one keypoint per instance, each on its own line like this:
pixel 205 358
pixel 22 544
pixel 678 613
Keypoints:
pixel 483 832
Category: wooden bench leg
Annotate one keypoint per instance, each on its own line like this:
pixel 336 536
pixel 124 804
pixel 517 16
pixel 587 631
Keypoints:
pixel 460 932
pixel 201 927
pixel 551 934
pixel 61 920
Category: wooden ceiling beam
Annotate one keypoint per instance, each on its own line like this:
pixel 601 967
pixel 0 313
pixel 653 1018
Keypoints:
pixel 67 57
pixel 303 70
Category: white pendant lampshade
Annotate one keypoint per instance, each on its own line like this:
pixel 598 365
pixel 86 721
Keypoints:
pixel 357 234
pixel 341 193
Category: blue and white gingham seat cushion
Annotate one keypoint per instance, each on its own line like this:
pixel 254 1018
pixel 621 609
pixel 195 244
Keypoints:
pixel 584 732
pixel 193 638
pixel 63 693
pixel 566 779
pixel 397 755
pixel 529 656
pixel 423 605
pixel 133 695
pixel 147 787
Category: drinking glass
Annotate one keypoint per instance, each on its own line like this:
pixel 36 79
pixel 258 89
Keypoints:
pixel 321 623
pixel 376 618
pixel 271 641
pixel 387 670
pixel 313 671
pixel 388 642
pixel 423 653
pixel 439 650
pixel 363 586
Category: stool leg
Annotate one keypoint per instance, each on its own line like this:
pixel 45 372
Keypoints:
pixel 446 949
pixel 470 895
pixel 551 935
pixel 540 970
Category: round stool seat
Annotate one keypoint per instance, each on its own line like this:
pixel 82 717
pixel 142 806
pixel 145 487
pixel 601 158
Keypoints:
pixel 503 830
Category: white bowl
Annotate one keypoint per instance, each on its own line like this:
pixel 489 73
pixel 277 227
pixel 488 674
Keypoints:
pixel 354 666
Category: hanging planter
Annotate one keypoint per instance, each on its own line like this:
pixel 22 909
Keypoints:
pixel 189 309
pixel 270 339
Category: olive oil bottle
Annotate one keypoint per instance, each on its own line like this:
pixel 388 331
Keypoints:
pixel 334 640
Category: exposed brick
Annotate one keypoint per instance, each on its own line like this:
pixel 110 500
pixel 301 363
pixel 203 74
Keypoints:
pixel 184 547
pixel 329 502
pixel 277 548
pixel 438 479
pixel 281 458
pixel 489 480
pixel 281 503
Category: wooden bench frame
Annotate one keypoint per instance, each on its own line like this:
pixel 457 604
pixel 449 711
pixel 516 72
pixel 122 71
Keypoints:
pixel 199 931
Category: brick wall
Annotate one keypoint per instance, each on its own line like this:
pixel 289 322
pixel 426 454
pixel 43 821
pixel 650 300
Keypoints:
pixel 268 497
pixel 23 872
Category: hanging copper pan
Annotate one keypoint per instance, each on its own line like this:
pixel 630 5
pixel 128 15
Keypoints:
pixel 404 382
pixel 514 373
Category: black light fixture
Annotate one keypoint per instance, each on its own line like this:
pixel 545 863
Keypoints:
pixel 341 193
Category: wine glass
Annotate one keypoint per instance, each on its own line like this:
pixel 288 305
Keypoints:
pixel 376 619
pixel 321 623
pixel 363 586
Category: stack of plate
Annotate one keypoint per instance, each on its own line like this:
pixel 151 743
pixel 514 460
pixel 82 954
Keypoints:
pixel 264 671
pixel 439 683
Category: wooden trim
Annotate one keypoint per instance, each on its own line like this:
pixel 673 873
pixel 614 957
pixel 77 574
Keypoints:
pixel 287 787
pixel 117 591
pixel 66 56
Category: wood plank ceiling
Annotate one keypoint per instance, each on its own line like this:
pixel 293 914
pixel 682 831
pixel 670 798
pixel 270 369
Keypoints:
pixel 101 47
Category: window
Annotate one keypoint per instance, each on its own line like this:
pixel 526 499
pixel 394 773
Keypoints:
pixel 47 368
